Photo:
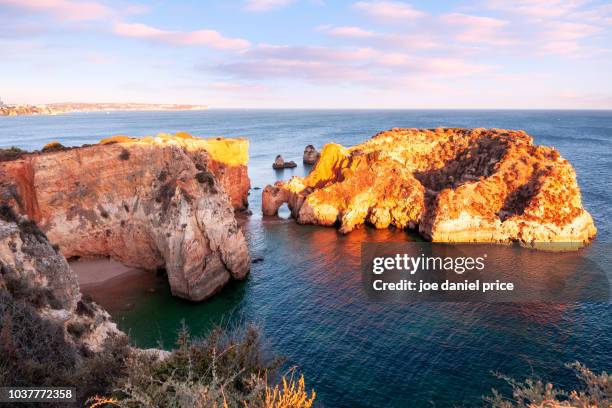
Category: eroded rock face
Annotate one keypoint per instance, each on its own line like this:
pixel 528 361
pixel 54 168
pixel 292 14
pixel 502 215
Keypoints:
pixel 454 185
pixel 36 273
pixel 164 202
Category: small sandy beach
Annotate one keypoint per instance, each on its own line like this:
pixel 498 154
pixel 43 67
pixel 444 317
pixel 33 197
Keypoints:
pixel 113 285
pixel 93 272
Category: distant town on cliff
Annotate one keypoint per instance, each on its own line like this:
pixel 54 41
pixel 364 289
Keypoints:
pixel 59 108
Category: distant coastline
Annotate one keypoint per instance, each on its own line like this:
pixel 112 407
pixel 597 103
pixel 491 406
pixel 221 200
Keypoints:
pixel 60 108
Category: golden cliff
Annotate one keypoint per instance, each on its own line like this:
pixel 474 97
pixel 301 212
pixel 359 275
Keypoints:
pixel 454 185
pixel 163 202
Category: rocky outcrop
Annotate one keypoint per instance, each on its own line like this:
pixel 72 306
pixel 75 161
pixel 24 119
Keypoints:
pixel 454 185
pixel 280 163
pixel 164 202
pixel 310 155
pixel 36 273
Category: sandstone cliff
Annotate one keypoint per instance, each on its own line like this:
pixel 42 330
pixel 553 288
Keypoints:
pixel 454 185
pixel 164 202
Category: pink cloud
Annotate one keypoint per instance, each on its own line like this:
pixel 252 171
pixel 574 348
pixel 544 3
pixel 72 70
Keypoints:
pixel 561 47
pixel 601 14
pixel 265 5
pixel 209 38
pixel 405 41
pixel 451 67
pixel 356 66
pixel 347 32
pixel 388 10
pixel 430 66
pixel 136 9
pixel 311 53
pixel 476 29
pixel 97 58
pixel 537 9
pixel 238 87
pixel 311 63
pixel 568 28
pixel 275 68
pixel 572 49
pixel 63 9
pixel 568 31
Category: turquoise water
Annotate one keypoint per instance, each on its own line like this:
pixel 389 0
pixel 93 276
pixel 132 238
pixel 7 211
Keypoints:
pixel 306 293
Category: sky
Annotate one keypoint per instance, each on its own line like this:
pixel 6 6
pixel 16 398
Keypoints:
pixel 521 54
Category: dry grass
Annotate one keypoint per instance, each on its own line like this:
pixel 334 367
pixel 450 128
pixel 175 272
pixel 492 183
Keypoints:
pixel 534 393
pixel 34 351
pixel 228 368
pixel 292 395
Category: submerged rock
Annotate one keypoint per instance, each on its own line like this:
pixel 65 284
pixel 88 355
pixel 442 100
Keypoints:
pixel 454 185
pixel 164 202
pixel 310 155
pixel 280 163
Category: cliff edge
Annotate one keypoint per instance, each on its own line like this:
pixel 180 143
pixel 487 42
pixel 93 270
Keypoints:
pixel 453 185
pixel 156 202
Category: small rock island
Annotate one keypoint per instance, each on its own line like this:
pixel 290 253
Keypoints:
pixel 453 185
pixel 280 163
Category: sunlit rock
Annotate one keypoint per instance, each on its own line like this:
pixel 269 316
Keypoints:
pixel 454 185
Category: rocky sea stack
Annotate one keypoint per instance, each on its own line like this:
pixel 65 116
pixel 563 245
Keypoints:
pixel 453 185
pixel 156 202
pixel 310 155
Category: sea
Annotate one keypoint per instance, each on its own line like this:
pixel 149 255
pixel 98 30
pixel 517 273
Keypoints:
pixel 306 293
